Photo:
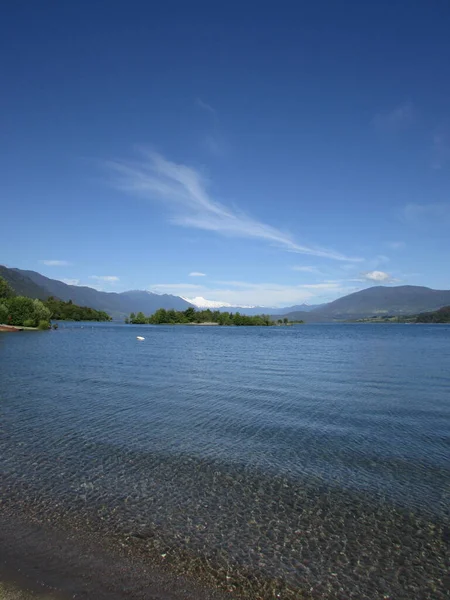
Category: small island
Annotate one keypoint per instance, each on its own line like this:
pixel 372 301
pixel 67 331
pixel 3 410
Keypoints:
pixel 190 316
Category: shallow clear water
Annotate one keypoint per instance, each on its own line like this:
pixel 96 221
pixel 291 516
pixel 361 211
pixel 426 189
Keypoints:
pixel 287 453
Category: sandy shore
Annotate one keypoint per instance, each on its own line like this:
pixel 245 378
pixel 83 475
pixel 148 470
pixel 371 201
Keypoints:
pixel 16 328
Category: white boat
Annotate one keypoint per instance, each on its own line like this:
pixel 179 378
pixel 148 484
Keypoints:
pixel 139 337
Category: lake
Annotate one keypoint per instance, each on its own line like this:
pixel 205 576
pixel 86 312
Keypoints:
pixel 269 462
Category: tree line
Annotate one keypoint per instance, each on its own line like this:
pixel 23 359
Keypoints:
pixel 29 312
pixel 438 316
pixel 191 315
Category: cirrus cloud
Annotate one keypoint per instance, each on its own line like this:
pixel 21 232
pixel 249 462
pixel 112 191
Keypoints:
pixel 106 278
pixel 400 117
pixel 183 191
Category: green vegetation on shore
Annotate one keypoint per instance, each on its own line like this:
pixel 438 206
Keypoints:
pixel 192 316
pixel 442 315
pixel 29 312
pixel 67 311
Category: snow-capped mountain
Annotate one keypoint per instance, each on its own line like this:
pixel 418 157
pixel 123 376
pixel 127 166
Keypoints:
pixel 201 302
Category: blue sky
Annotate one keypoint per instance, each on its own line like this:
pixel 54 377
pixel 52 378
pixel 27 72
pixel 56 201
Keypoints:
pixel 250 153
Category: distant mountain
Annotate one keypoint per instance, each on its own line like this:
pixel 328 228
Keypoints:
pixel 296 308
pixel 118 305
pixel 378 300
pixel 267 310
pixel 203 303
pixel 301 315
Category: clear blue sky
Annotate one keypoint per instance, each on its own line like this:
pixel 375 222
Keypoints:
pixel 289 151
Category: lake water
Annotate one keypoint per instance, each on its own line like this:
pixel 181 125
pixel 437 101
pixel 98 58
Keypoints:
pixel 267 461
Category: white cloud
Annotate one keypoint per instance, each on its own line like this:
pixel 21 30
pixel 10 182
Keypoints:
pixel 183 190
pixel 400 117
pixel 55 263
pixel 197 274
pixel 71 281
pixel 107 278
pixel 378 276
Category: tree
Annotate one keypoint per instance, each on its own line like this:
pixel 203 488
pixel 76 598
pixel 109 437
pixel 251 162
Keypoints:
pixel 6 290
pixel 20 309
pixel 41 312
pixel 159 317
pixel 140 319
pixel 285 320
pixel 3 313
pixel 189 313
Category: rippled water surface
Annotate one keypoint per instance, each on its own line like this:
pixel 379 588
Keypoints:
pixel 308 459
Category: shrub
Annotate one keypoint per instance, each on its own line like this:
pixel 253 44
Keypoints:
pixel 29 323
pixel 43 325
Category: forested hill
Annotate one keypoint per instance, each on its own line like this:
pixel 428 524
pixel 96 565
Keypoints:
pixel 438 316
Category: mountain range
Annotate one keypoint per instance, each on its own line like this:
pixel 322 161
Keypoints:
pixel 377 300
pixel 118 305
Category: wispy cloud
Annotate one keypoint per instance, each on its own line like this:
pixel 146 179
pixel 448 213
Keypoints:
pixel 305 269
pixel 205 106
pixel 174 287
pixel 440 150
pixel 197 274
pixel 55 263
pixel 106 278
pixel 395 119
pixel 213 140
pixel 71 281
pixel 420 214
pixel 396 245
pixel 378 260
pixel 183 191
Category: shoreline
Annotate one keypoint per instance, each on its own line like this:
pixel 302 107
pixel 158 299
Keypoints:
pixel 12 328
pixel 52 563
pixel 81 550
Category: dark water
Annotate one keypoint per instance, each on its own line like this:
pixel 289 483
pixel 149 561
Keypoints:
pixel 273 462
